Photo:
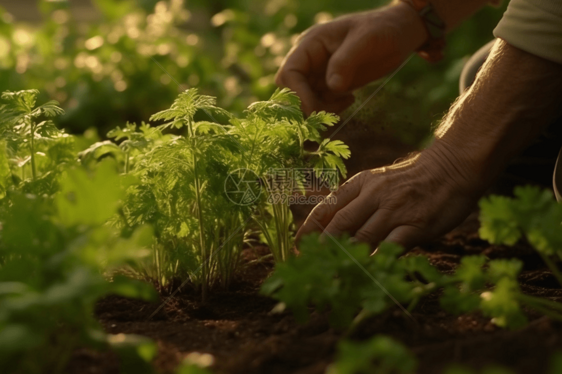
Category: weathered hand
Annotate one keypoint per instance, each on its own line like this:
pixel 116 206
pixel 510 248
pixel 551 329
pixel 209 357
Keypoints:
pixel 332 59
pixel 407 203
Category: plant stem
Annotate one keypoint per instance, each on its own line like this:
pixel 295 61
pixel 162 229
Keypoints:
pixel 278 222
pixel 547 312
pixel 362 316
pixel 420 291
pixel 127 163
pixel 264 229
pixel 204 265
pixel 552 267
pixel 199 210
pixel 32 149
pixel 286 234
pixel 542 301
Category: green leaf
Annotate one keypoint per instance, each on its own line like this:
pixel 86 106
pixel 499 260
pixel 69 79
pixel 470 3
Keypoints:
pixel 17 337
pixel 49 109
pixel 135 352
pixel 462 297
pixel 381 355
pixel 421 265
pixel 533 213
pixel 338 148
pixel 498 224
pixel 502 305
pixel 470 272
pixel 90 199
pixel 457 302
pixel 283 105
pixel 100 150
pixel 132 288
pixel 185 107
pixel 499 269
pixel 339 274
pixel 318 122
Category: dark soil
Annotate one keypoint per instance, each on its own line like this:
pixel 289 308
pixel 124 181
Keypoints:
pixel 242 334
pixel 240 331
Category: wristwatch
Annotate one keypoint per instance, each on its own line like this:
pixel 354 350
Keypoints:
pixel 433 48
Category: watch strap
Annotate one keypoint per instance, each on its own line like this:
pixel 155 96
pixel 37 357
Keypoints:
pixel 433 48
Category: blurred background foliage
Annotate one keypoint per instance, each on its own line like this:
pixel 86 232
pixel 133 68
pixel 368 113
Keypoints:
pixel 111 61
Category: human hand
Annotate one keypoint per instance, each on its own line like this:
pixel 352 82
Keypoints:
pixel 407 203
pixel 330 60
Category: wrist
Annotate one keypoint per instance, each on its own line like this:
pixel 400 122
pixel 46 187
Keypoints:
pixel 410 23
pixel 466 167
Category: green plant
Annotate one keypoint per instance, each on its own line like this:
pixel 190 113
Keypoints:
pixel 342 277
pixel 379 354
pixel 203 154
pixel 56 249
pixel 28 141
pixel 52 254
pixel 184 181
pixel 533 215
pixel 327 276
pixel 502 303
pixel 274 133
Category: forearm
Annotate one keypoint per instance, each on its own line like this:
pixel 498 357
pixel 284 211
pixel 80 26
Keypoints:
pixel 515 96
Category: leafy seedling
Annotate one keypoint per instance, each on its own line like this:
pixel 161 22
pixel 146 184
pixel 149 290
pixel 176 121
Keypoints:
pixel 379 354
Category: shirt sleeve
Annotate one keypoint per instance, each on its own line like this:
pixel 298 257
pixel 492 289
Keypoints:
pixel 534 26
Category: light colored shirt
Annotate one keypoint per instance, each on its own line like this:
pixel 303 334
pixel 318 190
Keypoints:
pixel 534 26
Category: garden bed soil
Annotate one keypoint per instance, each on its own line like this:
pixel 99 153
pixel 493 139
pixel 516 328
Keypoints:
pixel 244 336
pixel 239 329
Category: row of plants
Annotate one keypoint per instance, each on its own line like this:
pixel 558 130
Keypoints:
pixel 341 277
pixel 57 252
pixel 77 215
pixel 77 218
pixel 185 182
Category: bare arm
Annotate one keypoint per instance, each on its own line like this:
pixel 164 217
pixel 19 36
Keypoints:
pixel 514 97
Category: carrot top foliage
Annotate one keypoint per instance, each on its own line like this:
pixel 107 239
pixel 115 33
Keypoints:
pixel 153 202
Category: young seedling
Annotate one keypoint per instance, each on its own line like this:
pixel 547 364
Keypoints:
pixel 533 215
pixel 343 278
pixel 379 354
pixel 56 244
pixel 273 135
pixel 26 137
pixel 185 180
